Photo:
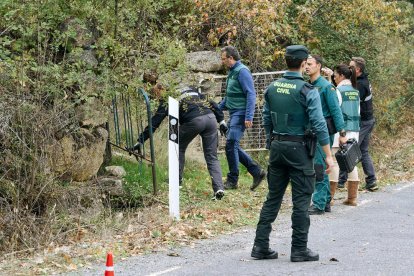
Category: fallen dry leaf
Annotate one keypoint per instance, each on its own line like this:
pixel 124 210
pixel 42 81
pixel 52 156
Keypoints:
pixel 72 267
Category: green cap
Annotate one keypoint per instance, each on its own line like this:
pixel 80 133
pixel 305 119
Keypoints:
pixel 297 51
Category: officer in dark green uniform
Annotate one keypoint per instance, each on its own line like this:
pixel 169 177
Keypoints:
pixel 331 110
pixel 291 107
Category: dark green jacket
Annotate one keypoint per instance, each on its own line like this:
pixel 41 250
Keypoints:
pixel 329 101
pixel 291 105
pixel 236 98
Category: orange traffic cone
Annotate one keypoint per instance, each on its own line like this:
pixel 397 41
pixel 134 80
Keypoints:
pixel 109 271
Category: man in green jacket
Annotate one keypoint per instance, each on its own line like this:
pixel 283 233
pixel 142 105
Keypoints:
pixel 291 106
pixel 335 122
pixel 240 101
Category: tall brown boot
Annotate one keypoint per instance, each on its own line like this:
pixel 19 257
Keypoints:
pixel 332 186
pixel 352 193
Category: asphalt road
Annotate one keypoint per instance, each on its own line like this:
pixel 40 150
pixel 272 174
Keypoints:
pixel 374 238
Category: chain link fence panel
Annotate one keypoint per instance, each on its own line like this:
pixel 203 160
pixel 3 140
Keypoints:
pixel 254 138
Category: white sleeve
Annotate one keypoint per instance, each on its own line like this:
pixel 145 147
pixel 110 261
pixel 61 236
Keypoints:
pixel 338 94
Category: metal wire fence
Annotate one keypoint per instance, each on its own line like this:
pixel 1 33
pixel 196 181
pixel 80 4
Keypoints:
pixel 254 138
pixel 131 113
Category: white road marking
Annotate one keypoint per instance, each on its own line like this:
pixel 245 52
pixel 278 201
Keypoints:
pixel 165 271
pixel 403 187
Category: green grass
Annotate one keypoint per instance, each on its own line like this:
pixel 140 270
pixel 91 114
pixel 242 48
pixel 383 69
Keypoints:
pixel 242 204
pixel 138 180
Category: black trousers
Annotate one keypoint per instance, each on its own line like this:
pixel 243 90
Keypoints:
pixel 206 127
pixel 288 161
pixel 366 161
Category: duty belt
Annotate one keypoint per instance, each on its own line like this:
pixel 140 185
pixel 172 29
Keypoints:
pixel 292 138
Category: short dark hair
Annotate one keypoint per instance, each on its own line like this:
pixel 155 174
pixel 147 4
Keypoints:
pixel 360 63
pixel 294 63
pixel 231 52
pixel 318 59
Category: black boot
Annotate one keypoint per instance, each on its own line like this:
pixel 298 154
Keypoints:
pixel 303 255
pixel 228 185
pixel 371 187
pixel 258 179
pixel 218 195
pixel 315 211
pixel 263 253
pixel 328 208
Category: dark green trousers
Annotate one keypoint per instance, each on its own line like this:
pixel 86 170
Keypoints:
pixel 288 161
pixel 322 193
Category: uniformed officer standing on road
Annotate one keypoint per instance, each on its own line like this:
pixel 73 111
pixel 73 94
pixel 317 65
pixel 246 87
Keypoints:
pixel 291 107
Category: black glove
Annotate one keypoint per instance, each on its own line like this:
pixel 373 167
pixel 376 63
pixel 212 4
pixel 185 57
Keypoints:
pixel 137 147
pixel 223 129
pixel 268 143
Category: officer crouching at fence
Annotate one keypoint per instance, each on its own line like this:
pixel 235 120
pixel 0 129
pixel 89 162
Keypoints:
pixel 197 116
pixel 292 108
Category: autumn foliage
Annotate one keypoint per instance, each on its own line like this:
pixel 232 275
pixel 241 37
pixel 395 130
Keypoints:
pixel 41 43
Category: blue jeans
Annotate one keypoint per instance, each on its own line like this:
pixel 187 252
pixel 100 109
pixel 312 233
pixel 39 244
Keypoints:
pixel 234 153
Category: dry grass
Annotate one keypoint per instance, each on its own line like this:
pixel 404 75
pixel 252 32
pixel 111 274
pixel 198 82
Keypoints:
pixel 146 230
pixel 129 233
pixel 393 157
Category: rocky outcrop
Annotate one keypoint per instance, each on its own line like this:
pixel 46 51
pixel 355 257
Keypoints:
pixel 111 186
pixel 116 171
pixel 92 113
pixel 79 156
pixel 204 61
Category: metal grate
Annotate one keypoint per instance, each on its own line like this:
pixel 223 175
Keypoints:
pixel 254 138
pixel 131 113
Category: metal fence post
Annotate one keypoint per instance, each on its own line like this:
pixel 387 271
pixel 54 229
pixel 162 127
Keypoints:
pixel 154 175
